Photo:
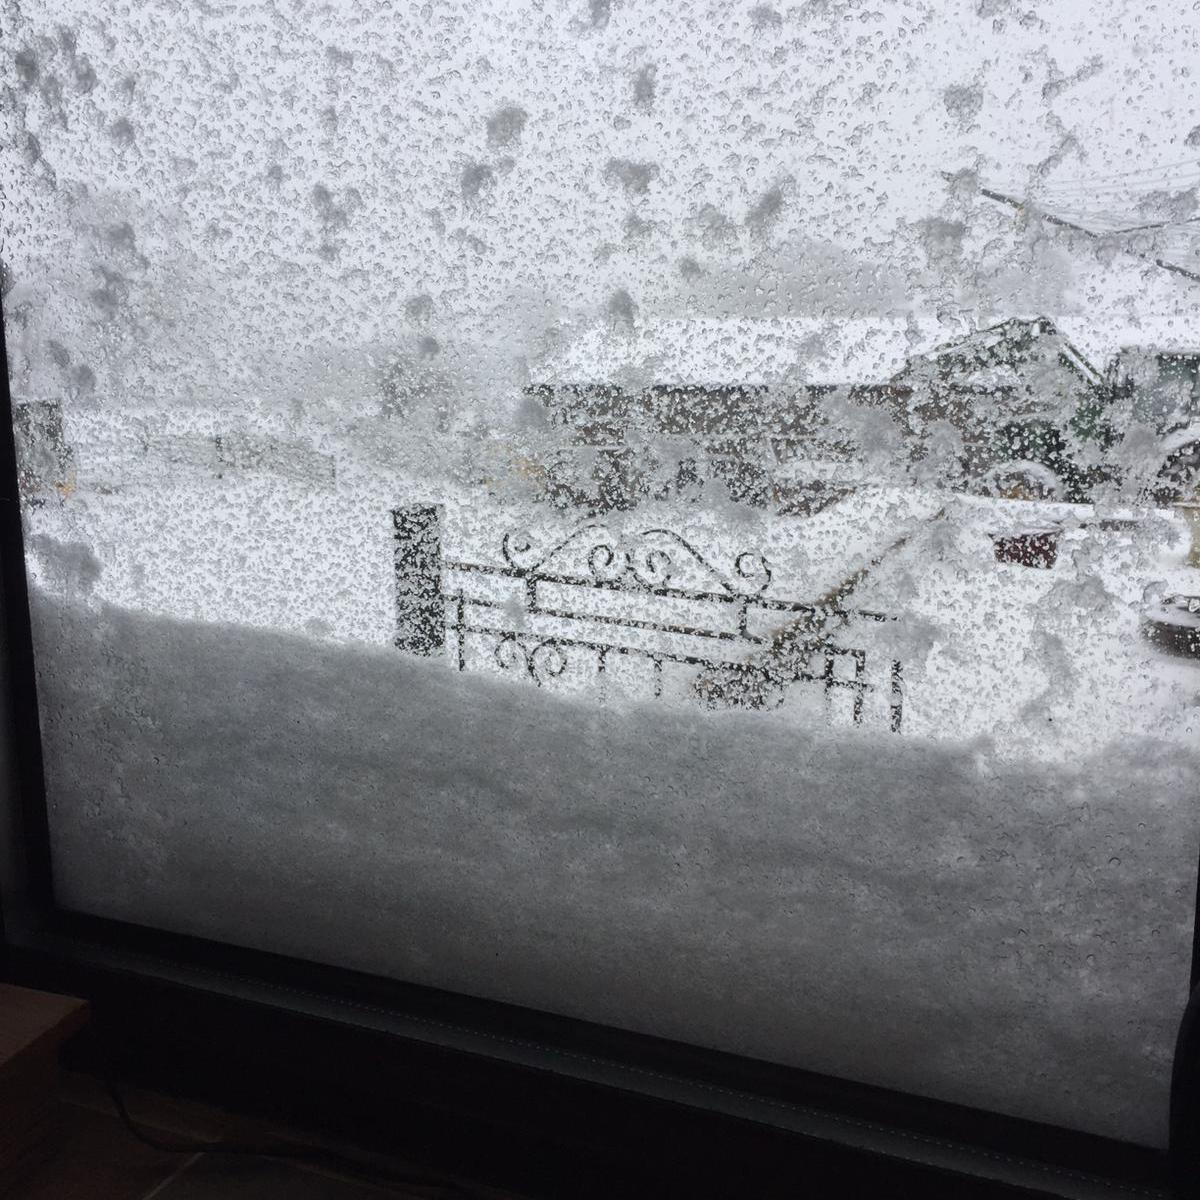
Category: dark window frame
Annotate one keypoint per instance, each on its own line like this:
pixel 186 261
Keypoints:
pixel 545 1098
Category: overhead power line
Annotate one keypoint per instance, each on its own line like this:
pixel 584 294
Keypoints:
pixel 1193 163
pixel 1067 222
pixel 1126 191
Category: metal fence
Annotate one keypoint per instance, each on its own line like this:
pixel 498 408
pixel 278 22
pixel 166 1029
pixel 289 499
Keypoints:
pixel 590 601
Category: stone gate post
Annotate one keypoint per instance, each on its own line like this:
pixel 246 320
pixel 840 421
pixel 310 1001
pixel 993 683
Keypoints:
pixel 420 604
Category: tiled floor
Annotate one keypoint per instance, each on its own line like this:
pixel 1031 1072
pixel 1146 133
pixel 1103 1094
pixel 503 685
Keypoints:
pixel 98 1158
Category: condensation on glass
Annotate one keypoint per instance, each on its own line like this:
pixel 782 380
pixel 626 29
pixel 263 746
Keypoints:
pixel 682 515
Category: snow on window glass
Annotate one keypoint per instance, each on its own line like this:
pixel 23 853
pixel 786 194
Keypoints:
pixel 679 514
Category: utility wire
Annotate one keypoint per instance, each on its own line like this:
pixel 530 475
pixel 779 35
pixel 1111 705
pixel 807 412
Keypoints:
pixel 1127 190
pixel 1053 219
pixel 1094 218
pixel 1119 194
pixel 1193 163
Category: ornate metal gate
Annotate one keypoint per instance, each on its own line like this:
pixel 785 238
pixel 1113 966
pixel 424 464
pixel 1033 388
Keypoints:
pixel 592 599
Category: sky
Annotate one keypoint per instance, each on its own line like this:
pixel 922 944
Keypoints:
pixel 490 172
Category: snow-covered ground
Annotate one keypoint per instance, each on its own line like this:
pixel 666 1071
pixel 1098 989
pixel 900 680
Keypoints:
pixel 1002 895
pixel 910 912
pixel 1031 661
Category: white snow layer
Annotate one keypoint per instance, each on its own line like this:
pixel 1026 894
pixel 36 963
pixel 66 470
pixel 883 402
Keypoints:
pixel 714 351
pixel 1013 935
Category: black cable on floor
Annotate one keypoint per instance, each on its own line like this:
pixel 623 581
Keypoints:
pixel 296 1153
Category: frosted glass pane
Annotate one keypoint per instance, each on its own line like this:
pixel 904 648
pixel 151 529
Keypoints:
pixel 675 514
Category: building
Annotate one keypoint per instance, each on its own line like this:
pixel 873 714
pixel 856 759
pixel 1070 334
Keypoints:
pixel 1023 401
pixel 1159 390
pixel 679 406
pixel 44 457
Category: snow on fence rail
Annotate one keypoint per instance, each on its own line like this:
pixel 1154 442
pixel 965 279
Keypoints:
pixel 592 604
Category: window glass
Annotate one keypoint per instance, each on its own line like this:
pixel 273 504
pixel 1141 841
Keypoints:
pixel 679 514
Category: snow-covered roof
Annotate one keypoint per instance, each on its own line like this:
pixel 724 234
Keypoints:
pixel 801 470
pixel 1180 438
pixel 1003 352
pixel 1102 340
pixel 709 351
